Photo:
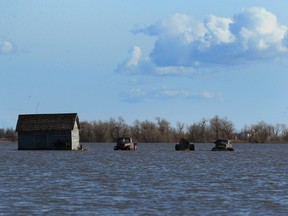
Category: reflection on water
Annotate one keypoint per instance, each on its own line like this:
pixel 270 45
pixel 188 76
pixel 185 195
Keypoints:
pixel 155 180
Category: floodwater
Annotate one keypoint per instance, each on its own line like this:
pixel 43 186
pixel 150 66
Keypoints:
pixel 154 180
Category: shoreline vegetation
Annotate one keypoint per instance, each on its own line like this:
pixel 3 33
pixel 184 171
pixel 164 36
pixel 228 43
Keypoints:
pixel 161 131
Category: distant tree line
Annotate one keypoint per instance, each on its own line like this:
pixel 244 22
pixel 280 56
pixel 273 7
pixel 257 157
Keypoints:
pixel 8 135
pixel 161 131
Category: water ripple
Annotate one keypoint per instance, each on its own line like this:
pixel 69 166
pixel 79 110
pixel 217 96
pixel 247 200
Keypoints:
pixel 155 180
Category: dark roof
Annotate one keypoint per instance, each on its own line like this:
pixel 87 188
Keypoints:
pixel 47 122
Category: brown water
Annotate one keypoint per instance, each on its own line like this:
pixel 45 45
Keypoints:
pixel 154 180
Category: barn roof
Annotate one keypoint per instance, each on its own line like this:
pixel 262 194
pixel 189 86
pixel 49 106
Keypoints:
pixel 47 122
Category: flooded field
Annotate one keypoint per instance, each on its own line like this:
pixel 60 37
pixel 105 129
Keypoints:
pixel 154 180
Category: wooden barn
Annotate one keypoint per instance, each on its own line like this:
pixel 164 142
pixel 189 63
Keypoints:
pixel 48 131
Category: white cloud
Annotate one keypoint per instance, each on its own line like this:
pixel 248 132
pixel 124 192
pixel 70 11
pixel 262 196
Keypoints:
pixel 163 93
pixel 218 29
pixel 135 63
pixel 183 44
pixel 6 47
pixel 258 31
pixel 174 25
pixel 136 55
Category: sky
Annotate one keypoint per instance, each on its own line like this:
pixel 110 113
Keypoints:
pixel 182 61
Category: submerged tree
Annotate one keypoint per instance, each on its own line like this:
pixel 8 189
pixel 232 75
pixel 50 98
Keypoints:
pixel 198 132
pixel 221 128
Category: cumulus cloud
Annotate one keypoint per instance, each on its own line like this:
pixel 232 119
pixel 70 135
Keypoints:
pixel 184 44
pixel 6 47
pixel 259 35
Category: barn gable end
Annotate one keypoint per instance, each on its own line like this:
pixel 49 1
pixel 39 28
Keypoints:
pixel 48 131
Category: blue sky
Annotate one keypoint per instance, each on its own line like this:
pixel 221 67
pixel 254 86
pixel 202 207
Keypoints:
pixel 178 60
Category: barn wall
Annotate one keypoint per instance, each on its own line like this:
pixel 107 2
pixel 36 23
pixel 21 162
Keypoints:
pixel 29 141
pixel 75 136
pixel 44 140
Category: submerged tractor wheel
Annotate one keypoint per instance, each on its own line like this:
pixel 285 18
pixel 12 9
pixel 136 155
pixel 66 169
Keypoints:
pixel 191 147
pixel 177 147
